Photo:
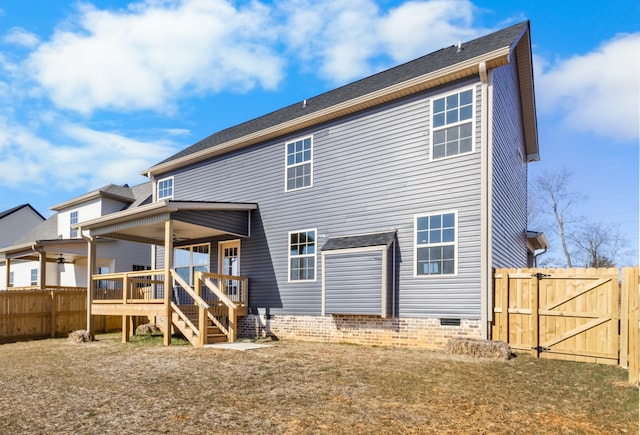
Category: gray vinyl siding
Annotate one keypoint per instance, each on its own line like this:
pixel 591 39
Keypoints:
pixel 343 294
pixel 509 192
pixel 231 221
pixel 371 173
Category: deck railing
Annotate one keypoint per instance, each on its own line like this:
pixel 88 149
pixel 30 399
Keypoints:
pixel 215 297
pixel 129 287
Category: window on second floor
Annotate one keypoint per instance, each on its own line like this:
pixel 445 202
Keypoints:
pixel 435 237
pixel 34 276
pixel 299 167
pixel 302 255
pixel 165 188
pixel 452 125
pixel 73 219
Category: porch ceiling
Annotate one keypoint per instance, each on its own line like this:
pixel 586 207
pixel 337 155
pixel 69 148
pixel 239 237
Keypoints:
pixel 70 249
pixel 192 220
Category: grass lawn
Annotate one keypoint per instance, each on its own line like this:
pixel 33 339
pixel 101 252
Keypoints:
pixel 53 386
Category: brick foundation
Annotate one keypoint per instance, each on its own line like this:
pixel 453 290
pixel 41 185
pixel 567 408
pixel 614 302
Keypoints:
pixel 370 330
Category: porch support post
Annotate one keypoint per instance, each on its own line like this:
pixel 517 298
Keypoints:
pixel 168 264
pixel 7 264
pixel 42 276
pixel 91 266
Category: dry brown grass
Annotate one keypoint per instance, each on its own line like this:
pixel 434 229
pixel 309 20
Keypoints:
pixel 53 386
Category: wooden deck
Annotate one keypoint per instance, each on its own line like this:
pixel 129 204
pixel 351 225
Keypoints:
pixel 202 312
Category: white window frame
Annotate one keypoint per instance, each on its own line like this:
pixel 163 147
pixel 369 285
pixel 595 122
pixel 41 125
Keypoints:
pixel 73 219
pixel 287 166
pixel 314 255
pixel 454 124
pixel 192 265
pixel 31 273
pixel 158 189
pixel 11 279
pixel 417 245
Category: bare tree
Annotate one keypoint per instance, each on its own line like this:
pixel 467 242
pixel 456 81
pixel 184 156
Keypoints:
pixel 598 244
pixel 553 190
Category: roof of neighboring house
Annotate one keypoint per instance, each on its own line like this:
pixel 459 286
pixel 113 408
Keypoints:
pixel 47 230
pixel 360 241
pixel 442 66
pixel 123 193
pixel 6 213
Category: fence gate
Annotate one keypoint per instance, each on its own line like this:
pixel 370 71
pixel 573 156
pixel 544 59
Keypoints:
pixel 569 314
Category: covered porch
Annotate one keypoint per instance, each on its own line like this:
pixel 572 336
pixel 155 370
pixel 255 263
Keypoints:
pixel 203 306
pixel 54 264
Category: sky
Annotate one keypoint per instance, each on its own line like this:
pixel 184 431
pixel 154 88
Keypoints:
pixel 95 92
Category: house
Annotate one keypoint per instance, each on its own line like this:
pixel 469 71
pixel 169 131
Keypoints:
pixel 16 221
pixel 53 254
pixel 372 213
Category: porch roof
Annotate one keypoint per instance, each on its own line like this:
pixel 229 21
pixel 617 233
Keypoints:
pixel 192 220
pixel 69 249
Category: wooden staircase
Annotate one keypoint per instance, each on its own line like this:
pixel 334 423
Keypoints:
pixel 189 328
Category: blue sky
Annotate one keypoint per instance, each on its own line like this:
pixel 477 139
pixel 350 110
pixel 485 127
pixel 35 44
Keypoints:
pixel 95 92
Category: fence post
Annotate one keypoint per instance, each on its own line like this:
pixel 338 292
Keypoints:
pixel 53 314
pixel 534 321
pixel 624 320
pixel 630 280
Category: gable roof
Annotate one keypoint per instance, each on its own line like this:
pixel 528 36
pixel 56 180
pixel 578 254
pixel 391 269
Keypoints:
pixel 440 67
pixel 126 194
pixel 4 214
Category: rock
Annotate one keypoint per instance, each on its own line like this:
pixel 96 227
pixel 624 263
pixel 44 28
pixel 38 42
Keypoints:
pixel 80 336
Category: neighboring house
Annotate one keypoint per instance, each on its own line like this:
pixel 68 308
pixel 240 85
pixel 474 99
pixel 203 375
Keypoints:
pixel 54 254
pixel 16 221
pixel 372 213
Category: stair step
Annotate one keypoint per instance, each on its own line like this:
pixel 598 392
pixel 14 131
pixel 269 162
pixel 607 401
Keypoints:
pixel 216 338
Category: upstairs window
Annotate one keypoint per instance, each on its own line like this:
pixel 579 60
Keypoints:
pixel 299 164
pixel 436 244
pixel 302 255
pixel 452 125
pixel 165 188
pixel 73 219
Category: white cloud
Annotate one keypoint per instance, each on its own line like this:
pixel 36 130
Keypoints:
pixel 91 158
pixel 144 57
pixel 598 92
pixel 348 40
pixel 417 28
pixel 19 36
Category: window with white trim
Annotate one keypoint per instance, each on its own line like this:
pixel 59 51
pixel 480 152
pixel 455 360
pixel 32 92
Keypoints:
pixel 165 188
pixel 436 236
pixel 190 259
pixel 34 276
pixel 302 255
pixel 299 164
pixel 10 284
pixel 452 125
pixel 73 219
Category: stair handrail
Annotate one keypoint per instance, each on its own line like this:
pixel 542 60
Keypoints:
pixel 232 306
pixel 196 298
pixel 203 306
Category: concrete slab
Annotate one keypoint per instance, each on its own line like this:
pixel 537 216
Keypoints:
pixel 242 346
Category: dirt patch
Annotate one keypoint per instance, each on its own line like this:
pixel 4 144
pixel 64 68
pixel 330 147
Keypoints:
pixel 295 387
